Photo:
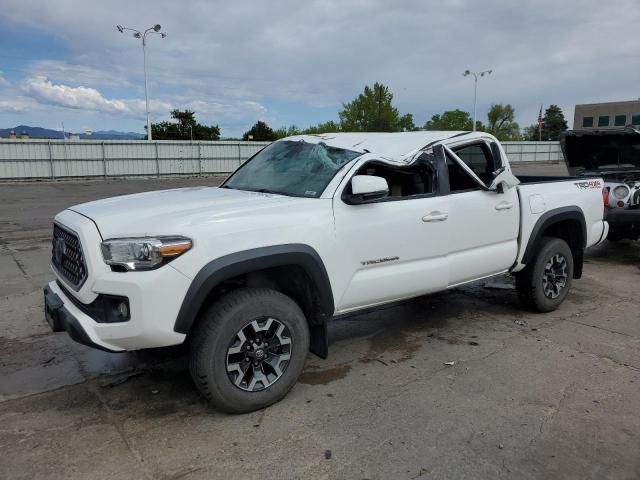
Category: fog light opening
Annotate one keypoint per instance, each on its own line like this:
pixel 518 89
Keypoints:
pixel 123 310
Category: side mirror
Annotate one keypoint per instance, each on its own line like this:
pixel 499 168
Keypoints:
pixel 365 188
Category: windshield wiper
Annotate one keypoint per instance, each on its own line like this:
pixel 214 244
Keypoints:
pixel 264 190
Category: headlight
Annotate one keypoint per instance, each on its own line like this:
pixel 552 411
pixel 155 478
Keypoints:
pixel 143 253
pixel 621 191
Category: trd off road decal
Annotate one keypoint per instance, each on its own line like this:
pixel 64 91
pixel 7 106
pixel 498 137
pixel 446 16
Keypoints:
pixel 588 184
pixel 379 260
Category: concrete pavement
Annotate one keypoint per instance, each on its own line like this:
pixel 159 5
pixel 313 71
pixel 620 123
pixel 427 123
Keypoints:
pixel 527 396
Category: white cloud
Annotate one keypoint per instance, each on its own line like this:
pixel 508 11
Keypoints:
pixel 4 83
pixel 40 92
pixel 228 60
pixel 44 91
pixel 17 104
pixel 11 101
pixel 61 71
pixel 85 98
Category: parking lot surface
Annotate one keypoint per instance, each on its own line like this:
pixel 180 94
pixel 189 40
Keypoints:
pixel 462 384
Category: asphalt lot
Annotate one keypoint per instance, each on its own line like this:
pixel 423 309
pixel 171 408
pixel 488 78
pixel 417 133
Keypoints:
pixel 529 396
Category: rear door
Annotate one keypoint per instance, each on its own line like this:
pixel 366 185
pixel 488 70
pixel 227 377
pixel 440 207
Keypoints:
pixel 483 224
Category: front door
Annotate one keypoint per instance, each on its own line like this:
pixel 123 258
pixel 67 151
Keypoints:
pixel 394 248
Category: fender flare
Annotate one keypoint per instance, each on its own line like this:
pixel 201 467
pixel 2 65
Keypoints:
pixel 234 264
pixel 548 219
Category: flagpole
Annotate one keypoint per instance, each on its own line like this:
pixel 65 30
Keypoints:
pixel 540 124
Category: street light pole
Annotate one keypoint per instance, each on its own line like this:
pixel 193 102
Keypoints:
pixel 475 89
pixel 146 86
pixel 143 36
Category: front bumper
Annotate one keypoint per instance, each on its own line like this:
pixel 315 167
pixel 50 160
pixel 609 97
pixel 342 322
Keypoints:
pixel 60 319
pixel 154 300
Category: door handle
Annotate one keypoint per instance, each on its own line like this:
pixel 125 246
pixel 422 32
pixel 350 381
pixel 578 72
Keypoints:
pixel 435 217
pixel 504 206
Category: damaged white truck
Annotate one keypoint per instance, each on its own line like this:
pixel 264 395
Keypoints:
pixel 310 228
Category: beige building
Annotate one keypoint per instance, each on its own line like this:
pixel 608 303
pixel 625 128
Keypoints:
pixel 601 116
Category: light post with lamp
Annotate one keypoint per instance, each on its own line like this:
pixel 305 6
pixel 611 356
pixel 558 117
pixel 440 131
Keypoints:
pixel 475 89
pixel 143 36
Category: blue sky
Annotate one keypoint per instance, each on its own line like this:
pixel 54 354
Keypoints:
pixel 290 63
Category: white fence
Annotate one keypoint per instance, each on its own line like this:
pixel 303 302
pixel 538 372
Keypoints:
pixel 533 151
pixel 89 158
pixel 32 159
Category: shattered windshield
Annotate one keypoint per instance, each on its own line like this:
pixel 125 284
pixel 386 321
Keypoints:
pixel 295 168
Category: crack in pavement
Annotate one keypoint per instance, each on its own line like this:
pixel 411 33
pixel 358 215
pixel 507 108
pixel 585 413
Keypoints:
pixel 601 328
pixel 20 267
pixel 401 390
pixel 108 416
pixel 582 352
pixel 182 473
pixel 567 391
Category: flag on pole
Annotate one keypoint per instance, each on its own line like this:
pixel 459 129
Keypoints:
pixel 540 122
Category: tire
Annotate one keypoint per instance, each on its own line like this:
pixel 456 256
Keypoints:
pixel 535 289
pixel 218 353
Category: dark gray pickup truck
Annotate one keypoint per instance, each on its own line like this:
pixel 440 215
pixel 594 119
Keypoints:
pixel 613 155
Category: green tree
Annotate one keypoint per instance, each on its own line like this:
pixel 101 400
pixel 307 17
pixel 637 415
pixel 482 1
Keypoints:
pixel 260 132
pixel 501 122
pixel 405 123
pixel 324 127
pixel 554 123
pixel 184 127
pixel 371 111
pixel 531 133
pixel 289 131
pixel 452 120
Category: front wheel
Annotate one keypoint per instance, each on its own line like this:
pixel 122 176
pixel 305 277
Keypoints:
pixel 248 349
pixel 543 285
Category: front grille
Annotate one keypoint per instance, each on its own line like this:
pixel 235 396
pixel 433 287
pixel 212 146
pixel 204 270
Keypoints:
pixel 67 258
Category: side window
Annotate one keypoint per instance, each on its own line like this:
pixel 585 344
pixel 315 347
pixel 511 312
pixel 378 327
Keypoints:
pixel 459 180
pixel 404 182
pixel 478 158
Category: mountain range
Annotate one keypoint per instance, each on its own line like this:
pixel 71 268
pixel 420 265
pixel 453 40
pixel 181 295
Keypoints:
pixel 39 132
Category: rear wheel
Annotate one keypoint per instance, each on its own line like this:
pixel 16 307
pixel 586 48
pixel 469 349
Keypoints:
pixel 543 285
pixel 248 349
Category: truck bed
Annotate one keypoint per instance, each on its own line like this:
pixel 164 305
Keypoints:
pixel 541 196
pixel 533 179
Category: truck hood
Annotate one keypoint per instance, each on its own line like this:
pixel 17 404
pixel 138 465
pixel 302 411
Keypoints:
pixel 613 154
pixel 171 212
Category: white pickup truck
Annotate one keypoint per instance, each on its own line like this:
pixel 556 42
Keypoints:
pixel 310 228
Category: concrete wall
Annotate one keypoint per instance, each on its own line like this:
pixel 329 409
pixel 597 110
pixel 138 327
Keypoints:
pixel 53 159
